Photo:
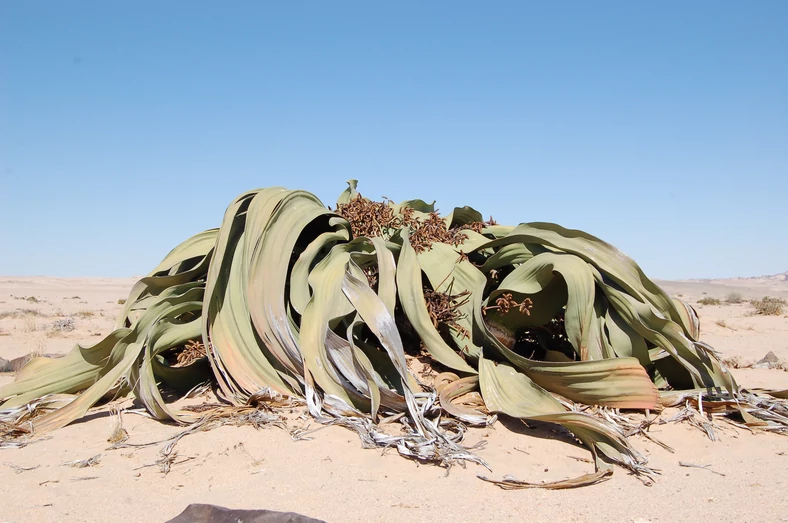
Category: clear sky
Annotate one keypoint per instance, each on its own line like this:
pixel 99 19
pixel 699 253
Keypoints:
pixel 661 127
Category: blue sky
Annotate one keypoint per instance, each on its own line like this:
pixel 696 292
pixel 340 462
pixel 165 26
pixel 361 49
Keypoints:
pixel 662 128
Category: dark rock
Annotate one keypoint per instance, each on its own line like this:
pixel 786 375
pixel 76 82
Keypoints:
pixel 17 363
pixel 200 513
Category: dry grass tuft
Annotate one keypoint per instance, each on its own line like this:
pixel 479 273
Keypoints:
pixel 709 301
pixel 118 434
pixel 18 470
pixel 29 324
pixel 769 306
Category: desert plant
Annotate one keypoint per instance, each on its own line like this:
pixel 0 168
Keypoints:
pixel 121 301
pixel 709 301
pixel 734 298
pixel 292 300
pixel 768 306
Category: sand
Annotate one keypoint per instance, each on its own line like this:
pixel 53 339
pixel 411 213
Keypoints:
pixel 332 478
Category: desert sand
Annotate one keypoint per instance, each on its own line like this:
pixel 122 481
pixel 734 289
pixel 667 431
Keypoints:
pixel 331 477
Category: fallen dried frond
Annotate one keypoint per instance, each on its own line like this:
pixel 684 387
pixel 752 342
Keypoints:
pixel 18 469
pixel 83 463
pixel 756 412
pixel 202 407
pixel 704 467
pixel 260 416
pixel 512 483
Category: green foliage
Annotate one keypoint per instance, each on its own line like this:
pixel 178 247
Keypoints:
pixel 291 299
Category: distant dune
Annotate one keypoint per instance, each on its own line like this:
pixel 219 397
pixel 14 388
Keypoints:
pixel 775 285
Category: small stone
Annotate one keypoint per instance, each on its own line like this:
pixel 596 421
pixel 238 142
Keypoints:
pixel 770 361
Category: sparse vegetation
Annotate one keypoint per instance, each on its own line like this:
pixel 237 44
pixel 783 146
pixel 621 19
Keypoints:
pixel 724 325
pixel 30 312
pixel 20 313
pixel 84 314
pixel 63 325
pixel 709 301
pixel 122 301
pixel 29 324
pixel 31 299
pixel 734 298
pixel 769 306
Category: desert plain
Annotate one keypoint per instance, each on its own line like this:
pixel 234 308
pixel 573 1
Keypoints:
pixel 740 477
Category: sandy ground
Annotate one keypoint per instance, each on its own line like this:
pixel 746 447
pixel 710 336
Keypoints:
pixel 331 477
